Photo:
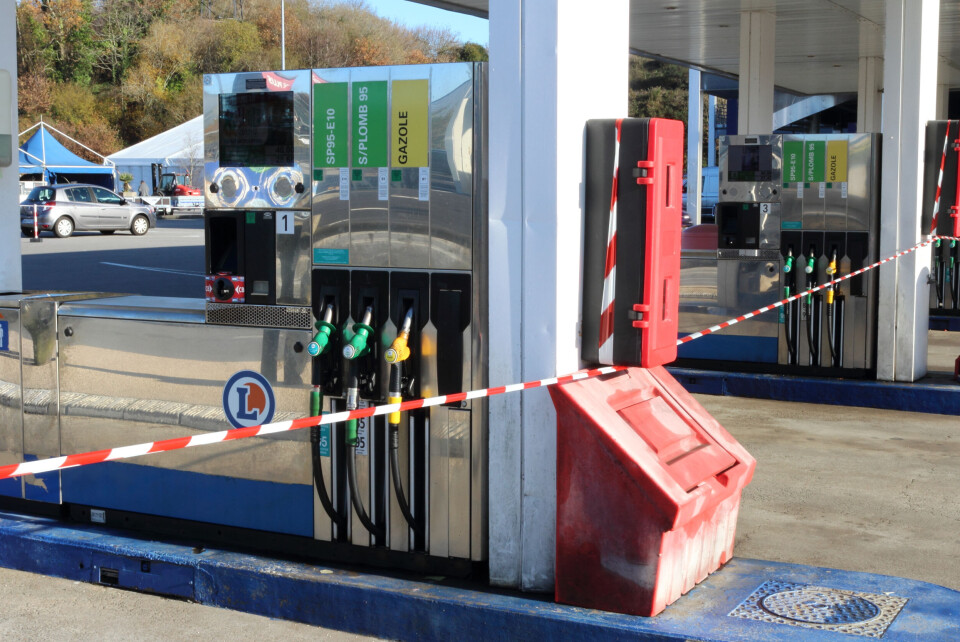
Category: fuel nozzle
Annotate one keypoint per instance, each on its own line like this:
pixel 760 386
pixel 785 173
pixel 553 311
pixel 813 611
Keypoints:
pixel 811 261
pixel 322 338
pixel 788 263
pixel 357 346
pixel 399 350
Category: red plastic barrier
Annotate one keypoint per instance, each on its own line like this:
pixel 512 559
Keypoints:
pixel 648 491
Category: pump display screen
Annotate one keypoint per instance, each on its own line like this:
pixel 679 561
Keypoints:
pixel 750 163
pixel 256 129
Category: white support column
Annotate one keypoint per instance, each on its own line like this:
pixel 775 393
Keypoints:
pixel 758 30
pixel 869 93
pixel 505 247
pixel 712 131
pixel 694 145
pixel 10 272
pixel 910 85
pixel 553 66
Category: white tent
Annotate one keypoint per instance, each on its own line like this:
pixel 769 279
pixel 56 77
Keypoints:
pixel 180 148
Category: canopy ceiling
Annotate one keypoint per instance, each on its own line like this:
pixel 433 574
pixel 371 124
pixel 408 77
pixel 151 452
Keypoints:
pixel 818 42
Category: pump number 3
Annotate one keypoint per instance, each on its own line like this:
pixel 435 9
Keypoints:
pixel 284 222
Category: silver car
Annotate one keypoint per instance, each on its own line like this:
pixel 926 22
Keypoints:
pixel 61 209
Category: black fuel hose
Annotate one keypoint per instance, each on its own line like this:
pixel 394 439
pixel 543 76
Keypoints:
pixel 375 530
pixel 955 268
pixel 941 269
pixel 814 350
pixel 791 348
pixel 353 385
pixel 395 377
pixel 318 482
pixel 831 334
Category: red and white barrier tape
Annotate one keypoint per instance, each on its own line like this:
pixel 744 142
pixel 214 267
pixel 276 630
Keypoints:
pixel 125 452
pixel 823 286
pixel 943 162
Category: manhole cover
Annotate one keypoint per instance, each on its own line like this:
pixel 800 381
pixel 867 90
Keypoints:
pixel 817 607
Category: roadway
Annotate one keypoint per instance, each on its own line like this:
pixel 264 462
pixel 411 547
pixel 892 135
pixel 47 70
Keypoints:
pixel 166 261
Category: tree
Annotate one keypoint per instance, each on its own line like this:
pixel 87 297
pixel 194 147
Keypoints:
pixel 119 24
pixel 473 52
pixel 657 89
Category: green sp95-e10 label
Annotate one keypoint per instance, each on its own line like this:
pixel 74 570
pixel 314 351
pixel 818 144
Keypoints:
pixel 330 126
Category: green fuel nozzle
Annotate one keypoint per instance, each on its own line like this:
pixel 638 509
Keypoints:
pixel 810 263
pixel 357 346
pixel 788 263
pixel 322 338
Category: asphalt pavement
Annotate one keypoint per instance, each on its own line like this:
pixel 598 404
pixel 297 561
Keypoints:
pixel 166 261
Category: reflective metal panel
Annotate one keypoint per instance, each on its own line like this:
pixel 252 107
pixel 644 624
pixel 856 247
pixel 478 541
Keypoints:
pixel 126 381
pixel 451 166
pixel 293 261
pixel 11 426
pixel 750 168
pixel 331 181
pixel 417 210
pixel 256 139
pixel 41 429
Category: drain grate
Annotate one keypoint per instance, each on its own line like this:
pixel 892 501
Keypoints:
pixel 815 607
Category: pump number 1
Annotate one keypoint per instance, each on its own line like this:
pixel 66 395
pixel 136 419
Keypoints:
pixel 284 222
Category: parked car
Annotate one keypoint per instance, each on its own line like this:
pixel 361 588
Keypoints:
pixel 67 207
pixel 709 195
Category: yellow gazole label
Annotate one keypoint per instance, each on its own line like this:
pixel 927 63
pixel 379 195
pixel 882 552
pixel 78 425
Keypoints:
pixel 410 123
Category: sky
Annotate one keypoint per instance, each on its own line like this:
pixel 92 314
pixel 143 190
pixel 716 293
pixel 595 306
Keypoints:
pixel 413 14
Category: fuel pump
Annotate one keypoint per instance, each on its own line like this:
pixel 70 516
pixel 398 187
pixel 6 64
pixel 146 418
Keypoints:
pixel 396 355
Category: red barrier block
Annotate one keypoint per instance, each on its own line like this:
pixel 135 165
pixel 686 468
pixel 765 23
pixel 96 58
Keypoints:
pixel 648 491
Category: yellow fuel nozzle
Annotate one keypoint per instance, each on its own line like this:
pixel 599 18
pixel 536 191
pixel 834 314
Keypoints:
pixel 832 266
pixel 399 350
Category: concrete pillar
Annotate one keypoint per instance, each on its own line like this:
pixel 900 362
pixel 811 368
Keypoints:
pixel 758 30
pixel 869 94
pixel 910 86
pixel 553 66
pixel 10 273
pixel 694 145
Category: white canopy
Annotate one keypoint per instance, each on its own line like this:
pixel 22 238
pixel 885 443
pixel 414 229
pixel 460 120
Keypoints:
pixel 180 147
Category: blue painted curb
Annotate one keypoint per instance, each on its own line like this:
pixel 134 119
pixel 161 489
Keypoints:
pixel 943 399
pixel 949 323
pixel 407 609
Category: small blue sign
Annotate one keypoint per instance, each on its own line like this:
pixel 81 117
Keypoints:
pixel 324 445
pixel 331 256
pixel 4 336
pixel 248 399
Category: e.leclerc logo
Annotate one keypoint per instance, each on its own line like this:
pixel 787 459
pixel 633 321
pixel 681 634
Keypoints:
pixel 248 399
